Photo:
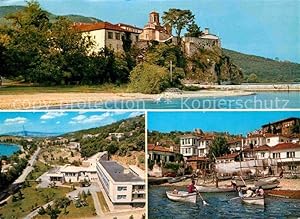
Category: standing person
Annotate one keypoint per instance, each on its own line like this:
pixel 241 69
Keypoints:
pixel 191 187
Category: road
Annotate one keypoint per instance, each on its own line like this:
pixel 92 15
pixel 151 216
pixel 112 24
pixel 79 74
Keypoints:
pixel 24 174
pixel 29 167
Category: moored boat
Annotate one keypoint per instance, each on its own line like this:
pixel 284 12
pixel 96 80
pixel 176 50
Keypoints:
pixel 176 179
pixel 182 196
pixel 210 189
pixel 267 183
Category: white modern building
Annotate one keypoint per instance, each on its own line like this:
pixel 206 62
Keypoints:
pixel 123 186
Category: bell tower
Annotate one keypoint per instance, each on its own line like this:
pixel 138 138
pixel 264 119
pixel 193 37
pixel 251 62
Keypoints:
pixel 154 18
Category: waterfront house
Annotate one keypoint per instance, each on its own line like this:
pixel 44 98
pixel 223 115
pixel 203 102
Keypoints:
pixel 159 154
pixel 189 145
pixel 287 156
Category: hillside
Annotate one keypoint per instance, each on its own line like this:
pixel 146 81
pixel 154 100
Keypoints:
pixel 6 10
pixel 266 70
pixel 98 139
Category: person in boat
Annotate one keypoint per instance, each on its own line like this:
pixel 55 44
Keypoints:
pixel 249 193
pixel 260 191
pixel 175 191
pixel 191 187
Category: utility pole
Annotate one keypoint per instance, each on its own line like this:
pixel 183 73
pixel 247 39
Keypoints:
pixel 171 70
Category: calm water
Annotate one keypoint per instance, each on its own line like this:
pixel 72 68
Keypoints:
pixel 219 207
pixel 261 100
pixel 8 149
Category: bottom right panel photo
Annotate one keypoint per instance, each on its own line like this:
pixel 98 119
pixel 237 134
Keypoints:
pixel 228 164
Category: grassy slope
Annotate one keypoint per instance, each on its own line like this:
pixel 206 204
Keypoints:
pixel 267 70
pixel 32 197
pixel 6 10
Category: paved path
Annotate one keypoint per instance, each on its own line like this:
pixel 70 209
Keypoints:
pixel 97 205
pixel 36 212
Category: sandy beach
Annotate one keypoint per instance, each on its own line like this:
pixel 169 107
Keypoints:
pixel 44 100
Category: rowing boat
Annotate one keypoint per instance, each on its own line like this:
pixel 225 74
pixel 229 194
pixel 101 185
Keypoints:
pixel 182 196
pixel 258 200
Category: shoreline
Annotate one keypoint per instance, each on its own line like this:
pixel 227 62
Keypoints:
pixel 281 87
pixel 44 100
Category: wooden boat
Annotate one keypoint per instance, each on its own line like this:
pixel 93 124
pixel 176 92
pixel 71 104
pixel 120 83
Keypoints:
pixel 258 200
pixel 176 179
pixel 182 196
pixel 265 183
pixel 210 189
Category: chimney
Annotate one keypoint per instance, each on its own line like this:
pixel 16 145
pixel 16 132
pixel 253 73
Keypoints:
pixel 206 31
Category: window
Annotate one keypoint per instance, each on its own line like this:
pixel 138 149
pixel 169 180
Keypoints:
pixel 110 35
pixel 290 154
pixel 292 167
pixel 118 36
pixel 136 38
pixel 276 155
pixel 121 197
pixel 122 188
pixel 268 140
pixel 262 154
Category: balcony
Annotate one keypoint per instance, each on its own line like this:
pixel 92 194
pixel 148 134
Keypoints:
pixel 138 191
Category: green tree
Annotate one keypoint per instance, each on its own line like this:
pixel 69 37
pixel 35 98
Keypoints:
pixel 178 19
pixel 252 78
pixel 219 147
pixel 149 78
pixel 193 30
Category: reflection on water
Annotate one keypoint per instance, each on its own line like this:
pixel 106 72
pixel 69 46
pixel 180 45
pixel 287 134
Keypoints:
pixel 261 100
pixel 219 206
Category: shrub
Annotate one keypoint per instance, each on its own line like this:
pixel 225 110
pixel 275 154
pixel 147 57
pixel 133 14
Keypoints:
pixel 149 78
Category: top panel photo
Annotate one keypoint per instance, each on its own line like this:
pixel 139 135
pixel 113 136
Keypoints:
pixel 149 54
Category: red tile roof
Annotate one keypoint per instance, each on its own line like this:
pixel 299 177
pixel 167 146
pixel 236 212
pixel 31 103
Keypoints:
pixel 196 158
pixel 152 147
pixel 228 156
pixel 86 27
pixel 259 148
pixel 285 146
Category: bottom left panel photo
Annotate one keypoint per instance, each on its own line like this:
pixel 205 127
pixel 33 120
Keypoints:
pixel 56 164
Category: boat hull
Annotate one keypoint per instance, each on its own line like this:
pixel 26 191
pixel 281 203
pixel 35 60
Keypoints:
pixel 254 200
pixel 206 189
pixel 182 196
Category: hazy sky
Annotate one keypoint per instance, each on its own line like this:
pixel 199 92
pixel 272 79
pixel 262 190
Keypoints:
pixel 269 28
pixel 58 122
pixel 232 122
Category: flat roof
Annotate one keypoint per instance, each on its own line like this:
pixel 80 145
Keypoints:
pixel 116 171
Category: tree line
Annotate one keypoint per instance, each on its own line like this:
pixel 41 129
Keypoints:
pixel 35 50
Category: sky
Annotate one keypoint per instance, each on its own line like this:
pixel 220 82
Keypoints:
pixel 226 121
pixel 58 121
pixel 268 28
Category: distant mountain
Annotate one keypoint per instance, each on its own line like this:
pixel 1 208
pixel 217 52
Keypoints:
pixel 267 70
pixel 6 10
pixel 32 134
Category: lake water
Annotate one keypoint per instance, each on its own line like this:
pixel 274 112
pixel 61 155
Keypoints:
pixel 8 149
pixel 219 207
pixel 260 100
